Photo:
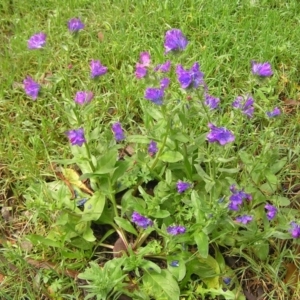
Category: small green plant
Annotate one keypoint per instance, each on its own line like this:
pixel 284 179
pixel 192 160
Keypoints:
pixel 194 163
pixel 156 194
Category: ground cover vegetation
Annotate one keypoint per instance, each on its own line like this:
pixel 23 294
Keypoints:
pixel 149 149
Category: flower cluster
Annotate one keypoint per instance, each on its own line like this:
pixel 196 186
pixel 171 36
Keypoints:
pixel 97 69
pixel 275 112
pixel 31 87
pixel 175 40
pixel 261 69
pixel 82 97
pixel 176 229
pixel 118 131
pixel 152 148
pixel 192 77
pixel 142 66
pixel 237 197
pixel 211 101
pixel 76 136
pixel 155 95
pixel 37 41
pixel 271 211
pixel 245 219
pixel 140 220
pixel 245 104
pixel 164 68
pixel 75 25
pixel 295 230
pixel 219 134
pixel 182 186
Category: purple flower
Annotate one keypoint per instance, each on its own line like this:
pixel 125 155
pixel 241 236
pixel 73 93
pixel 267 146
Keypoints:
pixel 245 105
pixel 261 69
pixel 31 87
pixel 220 135
pixel 155 95
pixel 145 59
pixel 118 131
pixel 182 186
pixel 97 69
pixel 174 263
pixel 142 65
pixel 76 136
pixel 189 78
pixel 174 230
pixel 271 211
pixel 227 280
pixel 37 41
pixel 152 148
pixel 75 24
pixel 295 230
pixel 164 83
pixel 275 112
pixel 83 97
pixel 175 40
pixel 237 197
pixel 140 220
pixel 140 71
pixel 164 68
pixel 245 219
pixel 211 101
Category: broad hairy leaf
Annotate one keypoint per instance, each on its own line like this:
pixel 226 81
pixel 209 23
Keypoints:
pixel 94 207
pixel 164 285
pixel 171 156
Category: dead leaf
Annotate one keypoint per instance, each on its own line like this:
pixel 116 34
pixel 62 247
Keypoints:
pixel 1 278
pixel 100 36
pixel 5 211
pixel 73 178
pixel 52 266
pixel 119 248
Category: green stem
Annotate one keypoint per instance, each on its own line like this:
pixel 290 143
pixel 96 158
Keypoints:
pixel 161 148
pixel 139 241
pixel 120 231
pixel 160 151
pixel 204 106
pixel 89 157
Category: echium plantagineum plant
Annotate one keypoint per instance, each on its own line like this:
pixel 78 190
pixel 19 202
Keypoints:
pixel 186 189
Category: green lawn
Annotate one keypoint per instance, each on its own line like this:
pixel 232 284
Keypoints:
pixel 46 240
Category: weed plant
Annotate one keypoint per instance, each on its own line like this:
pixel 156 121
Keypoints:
pixel 150 150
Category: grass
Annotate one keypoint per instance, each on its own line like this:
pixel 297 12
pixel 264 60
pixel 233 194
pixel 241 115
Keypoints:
pixel 223 38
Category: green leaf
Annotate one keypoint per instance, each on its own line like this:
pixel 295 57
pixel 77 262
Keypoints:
pixel 126 225
pixel 206 268
pixel 121 167
pixel 138 139
pixel 202 173
pixel 275 168
pixel 171 156
pixel 181 137
pixel 230 171
pixel 107 162
pixel 202 242
pixel 37 239
pixel 154 113
pixel 281 235
pixel 261 249
pixel 94 207
pixel 147 265
pixel 88 235
pixel 178 270
pixel 245 157
pixel 161 214
pixel 282 201
pixel 163 285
